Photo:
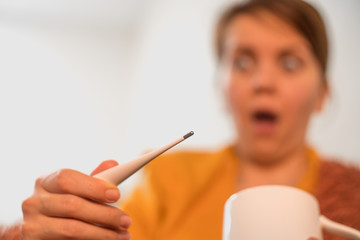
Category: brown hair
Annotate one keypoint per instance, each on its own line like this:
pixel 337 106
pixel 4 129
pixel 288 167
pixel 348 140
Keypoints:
pixel 301 15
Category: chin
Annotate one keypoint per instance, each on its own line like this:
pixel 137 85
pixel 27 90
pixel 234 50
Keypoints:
pixel 263 154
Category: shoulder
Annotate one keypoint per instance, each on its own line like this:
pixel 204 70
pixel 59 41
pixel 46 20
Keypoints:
pixel 339 175
pixel 338 191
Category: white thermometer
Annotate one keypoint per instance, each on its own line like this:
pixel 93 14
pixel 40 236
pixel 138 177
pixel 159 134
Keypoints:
pixel 118 174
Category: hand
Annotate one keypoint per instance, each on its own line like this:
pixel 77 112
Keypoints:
pixel 68 204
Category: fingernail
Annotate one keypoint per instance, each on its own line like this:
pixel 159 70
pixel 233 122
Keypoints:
pixel 112 195
pixel 125 221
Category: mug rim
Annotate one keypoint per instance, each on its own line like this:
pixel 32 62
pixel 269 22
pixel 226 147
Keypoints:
pixel 269 186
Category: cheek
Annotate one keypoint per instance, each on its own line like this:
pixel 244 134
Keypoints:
pixel 237 97
pixel 301 100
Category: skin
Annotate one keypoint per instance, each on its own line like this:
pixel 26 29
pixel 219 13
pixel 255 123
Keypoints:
pixel 70 205
pixel 268 65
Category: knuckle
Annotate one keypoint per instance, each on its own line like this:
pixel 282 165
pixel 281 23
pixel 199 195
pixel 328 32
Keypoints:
pixel 70 204
pixel 70 229
pixel 63 179
pixel 29 204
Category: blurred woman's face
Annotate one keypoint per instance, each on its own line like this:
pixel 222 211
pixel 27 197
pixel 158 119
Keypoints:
pixel 272 83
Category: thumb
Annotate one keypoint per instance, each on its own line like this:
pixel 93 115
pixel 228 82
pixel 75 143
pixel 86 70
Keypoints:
pixel 103 166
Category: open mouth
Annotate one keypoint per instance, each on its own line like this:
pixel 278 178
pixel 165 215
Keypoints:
pixel 264 117
pixel 265 122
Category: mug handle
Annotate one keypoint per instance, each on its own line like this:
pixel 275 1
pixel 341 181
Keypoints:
pixel 339 229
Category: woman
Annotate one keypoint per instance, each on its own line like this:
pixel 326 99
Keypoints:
pixel 273 63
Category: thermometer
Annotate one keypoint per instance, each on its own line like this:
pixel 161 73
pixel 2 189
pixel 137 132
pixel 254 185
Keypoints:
pixel 118 174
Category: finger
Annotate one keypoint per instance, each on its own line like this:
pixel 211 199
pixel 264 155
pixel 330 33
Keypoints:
pixel 63 228
pixel 103 166
pixel 70 206
pixel 67 181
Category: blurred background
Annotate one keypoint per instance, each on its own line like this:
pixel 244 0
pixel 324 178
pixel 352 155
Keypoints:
pixel 82 81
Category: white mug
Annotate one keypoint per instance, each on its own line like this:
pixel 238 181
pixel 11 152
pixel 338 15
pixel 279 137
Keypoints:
pixel 278 213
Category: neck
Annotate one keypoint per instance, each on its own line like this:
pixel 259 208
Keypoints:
pixel 286 170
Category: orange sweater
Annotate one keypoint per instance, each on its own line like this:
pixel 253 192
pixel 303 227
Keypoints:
pixel 183 195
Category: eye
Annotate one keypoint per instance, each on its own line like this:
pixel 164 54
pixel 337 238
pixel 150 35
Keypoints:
pixel 244 63
pixel 291 63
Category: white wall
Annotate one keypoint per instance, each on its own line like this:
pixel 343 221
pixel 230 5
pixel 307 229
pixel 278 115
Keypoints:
pixel 83 81
pixel 65 90
pixel 336 132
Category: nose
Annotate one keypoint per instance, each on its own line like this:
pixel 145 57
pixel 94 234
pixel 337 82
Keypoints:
pixel 264 79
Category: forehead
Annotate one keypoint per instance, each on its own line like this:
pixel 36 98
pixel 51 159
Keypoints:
pixel 264 31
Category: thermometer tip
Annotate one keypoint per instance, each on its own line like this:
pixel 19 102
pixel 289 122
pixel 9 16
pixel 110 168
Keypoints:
pixel 188 135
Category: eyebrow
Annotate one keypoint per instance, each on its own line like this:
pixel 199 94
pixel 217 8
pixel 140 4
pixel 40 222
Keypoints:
pixel 287 51
pixel 291 49
pixel 244 50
